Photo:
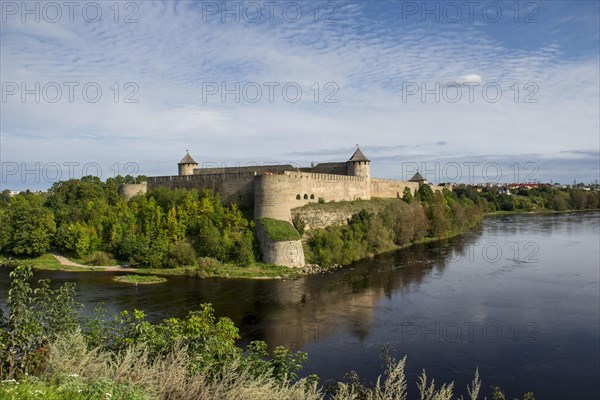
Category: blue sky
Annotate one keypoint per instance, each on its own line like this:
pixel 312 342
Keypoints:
pixel 368 61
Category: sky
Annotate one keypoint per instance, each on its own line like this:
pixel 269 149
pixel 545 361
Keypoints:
pixel 465 91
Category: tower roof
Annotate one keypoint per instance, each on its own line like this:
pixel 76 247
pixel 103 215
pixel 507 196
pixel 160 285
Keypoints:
pixel 187 159
pixel 417 178
pixel 358 156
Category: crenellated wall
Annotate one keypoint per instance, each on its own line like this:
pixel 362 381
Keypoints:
pixel 275 194
pixel 232 187
pixel 388 188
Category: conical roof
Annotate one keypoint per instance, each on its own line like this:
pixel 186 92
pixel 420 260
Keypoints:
pixel 416 178
pixel 358 156
pixel 187 159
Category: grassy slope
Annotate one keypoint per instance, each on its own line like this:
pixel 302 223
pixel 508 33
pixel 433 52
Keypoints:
pixel 374 205
pixel 279 231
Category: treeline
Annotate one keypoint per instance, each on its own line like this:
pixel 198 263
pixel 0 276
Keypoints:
pixel 401 222
pixel 87 219
pixel 544 197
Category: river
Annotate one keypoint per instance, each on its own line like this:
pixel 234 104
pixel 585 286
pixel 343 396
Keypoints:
pixel 517 297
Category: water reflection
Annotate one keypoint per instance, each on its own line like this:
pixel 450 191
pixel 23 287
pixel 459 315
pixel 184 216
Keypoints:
pixel 319 308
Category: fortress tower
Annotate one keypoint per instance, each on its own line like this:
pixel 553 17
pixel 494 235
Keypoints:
pixel 359 165
pixel 187 165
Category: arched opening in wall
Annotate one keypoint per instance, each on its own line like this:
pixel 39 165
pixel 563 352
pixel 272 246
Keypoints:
pixel 305 197
pixel 312 196
pixel 298 197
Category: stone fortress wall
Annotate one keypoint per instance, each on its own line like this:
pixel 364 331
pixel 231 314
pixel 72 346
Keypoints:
pixel 274 191
pixel 233 187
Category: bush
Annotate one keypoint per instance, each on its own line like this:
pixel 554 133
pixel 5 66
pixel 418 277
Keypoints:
pixel 299 224
pixel 407 195
pixel 100 258
pixel 182 254
pixel 208 264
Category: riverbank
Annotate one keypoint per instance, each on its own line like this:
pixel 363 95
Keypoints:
pixel 541 212
pixel 257 270
pixel 51 262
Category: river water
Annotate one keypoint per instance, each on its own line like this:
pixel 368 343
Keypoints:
pixel 517 297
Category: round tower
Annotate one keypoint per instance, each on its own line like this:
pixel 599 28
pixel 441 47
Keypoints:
pixel 187 165
pixel 359 165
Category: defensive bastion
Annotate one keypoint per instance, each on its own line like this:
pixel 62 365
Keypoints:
pixel 274 190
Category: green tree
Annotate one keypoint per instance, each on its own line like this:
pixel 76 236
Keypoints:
pixel 78 238
pixel 29 227
pixel 407 195
pixel 425 194
pixel 35 318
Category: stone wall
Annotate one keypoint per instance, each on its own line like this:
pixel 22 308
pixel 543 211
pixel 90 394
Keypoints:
pixel 274 195
pixel 277 194
pixel 232 187
pixel 388 188
pixel 129 190
pixel 287 253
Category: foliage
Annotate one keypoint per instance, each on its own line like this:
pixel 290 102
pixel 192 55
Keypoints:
pixel 299 224
pixel 41 316
pixel 47 352
pixel 170 228
pixel 540 198
pixel 35 318
pixel 278 230
pixel 425 194
pixel 69 387
pixel 26 227
pixel 398 224
pixel 407 195
pixel 86 218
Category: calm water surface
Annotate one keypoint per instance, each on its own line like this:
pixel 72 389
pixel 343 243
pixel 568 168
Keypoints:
pixel 518 297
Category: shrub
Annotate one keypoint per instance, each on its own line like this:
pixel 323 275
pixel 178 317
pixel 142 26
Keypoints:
pixel 208 264
pixel 99 258
pixel 407 195
pixel 182 254
pixel 299 224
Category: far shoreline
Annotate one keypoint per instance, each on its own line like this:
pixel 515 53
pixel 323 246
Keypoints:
pixel 259 271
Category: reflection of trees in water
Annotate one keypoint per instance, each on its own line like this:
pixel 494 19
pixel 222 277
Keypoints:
pixel 324 307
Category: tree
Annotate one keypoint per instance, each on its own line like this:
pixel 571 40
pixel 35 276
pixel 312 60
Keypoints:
pixel 425 194
pixel 30 227
pixel 78 238
pixel 439 222
pixel 407 195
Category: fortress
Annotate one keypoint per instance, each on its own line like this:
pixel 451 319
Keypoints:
pixel 274 190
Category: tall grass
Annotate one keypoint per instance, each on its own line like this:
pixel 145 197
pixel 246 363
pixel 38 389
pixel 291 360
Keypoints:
pixel 173 377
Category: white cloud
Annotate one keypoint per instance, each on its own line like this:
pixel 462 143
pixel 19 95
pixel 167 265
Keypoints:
pixel 171 52
pixel 472 78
